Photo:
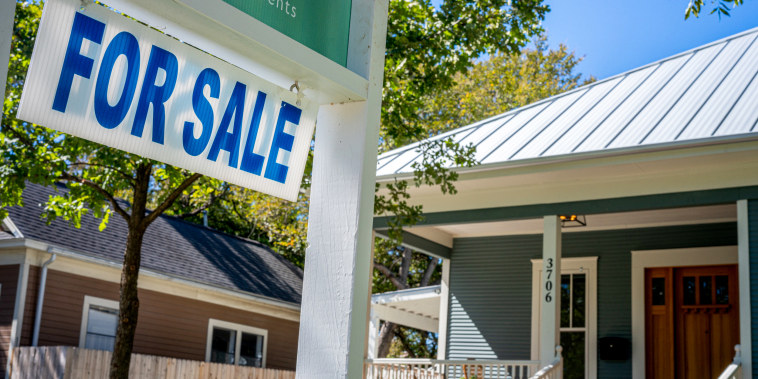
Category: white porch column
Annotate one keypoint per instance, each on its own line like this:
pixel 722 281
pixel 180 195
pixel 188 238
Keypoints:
pixel 373 336
pixel 7 12
pixel 550 316
pixel 444 304
pixel 337 278
pixel 743 259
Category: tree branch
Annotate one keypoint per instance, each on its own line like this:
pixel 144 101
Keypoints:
pixel 114 203
pixel 390 276
pixel 429 271
pixel 171 198
pixel 128 177
pixel 406 346
pixel 206 205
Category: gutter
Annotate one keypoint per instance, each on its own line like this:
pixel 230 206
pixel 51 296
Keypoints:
pixel 41 297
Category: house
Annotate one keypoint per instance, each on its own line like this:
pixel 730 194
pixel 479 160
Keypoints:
pixel 204 295
pixel 619 220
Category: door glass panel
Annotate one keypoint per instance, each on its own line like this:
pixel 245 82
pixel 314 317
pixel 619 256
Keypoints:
pixel 565 301
pixel 722 289
pixel 688 290
pixel 705 290
pixel 573 354
pixel 659 291
pixel 578 300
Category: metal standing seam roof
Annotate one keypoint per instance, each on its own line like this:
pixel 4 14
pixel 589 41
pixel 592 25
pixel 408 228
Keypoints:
pixel 707 93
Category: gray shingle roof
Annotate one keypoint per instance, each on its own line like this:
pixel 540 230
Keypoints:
pixel 706 94
pixel 172 247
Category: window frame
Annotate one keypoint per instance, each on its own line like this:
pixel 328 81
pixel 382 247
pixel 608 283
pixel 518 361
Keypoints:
pixel 580 265
pixel 96 301
pixel 239 329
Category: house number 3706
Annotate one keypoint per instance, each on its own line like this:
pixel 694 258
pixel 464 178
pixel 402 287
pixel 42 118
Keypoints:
pixel 548 282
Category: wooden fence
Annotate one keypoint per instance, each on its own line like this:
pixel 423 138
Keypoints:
pixel 66 362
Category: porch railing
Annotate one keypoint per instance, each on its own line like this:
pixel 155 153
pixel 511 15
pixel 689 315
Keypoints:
pixel 391 368
pixel 554 370
pixel 734 370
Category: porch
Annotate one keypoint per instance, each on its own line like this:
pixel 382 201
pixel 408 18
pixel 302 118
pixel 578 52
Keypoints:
pixel 492 300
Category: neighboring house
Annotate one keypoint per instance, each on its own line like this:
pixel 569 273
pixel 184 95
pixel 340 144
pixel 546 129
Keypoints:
pixel 204 295
pixel 659 168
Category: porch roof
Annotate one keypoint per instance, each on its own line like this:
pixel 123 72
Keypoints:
pixel 702 96
pixel 415 307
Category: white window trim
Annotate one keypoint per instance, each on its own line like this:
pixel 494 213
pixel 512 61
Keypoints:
pixel 586 265
pixel 701 256
pixel 239 328
pixel 91 300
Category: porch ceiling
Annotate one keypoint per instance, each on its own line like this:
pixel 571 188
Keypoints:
pixel 444 234
pixel 416 307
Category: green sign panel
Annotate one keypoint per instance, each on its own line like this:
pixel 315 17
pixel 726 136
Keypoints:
pixel 322 25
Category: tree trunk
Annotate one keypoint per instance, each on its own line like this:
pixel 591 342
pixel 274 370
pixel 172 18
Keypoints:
pixel 386 334
pixel 128 306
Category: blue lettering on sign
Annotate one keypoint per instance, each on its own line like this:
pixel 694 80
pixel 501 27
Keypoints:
pixel 74 63
pixel 203 110
pixel 126 44
pixel 225 140
pixel 282 141
pixel 252 162
pixel 155 94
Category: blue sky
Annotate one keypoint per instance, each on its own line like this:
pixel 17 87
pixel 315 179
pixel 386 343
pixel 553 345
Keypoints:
pixel 615 36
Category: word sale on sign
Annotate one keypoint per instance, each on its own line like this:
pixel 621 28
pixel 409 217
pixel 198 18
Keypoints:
pixel 100 76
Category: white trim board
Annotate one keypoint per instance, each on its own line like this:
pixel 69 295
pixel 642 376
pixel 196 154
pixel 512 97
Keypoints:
pixel 587 265
pixel 701 256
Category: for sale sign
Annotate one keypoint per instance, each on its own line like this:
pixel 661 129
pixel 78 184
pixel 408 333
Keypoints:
pixel 98 75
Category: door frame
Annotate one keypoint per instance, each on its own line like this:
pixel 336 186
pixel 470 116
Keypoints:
pixel 642 259
pixel 574 265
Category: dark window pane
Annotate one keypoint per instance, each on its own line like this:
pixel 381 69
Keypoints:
pixel 573 354
pixel 659 291
pixel 689 287
pixel 722 289
pixel 565 300
pixel 705 290
pixel 222 345
pixel 251 350
pixel 579 286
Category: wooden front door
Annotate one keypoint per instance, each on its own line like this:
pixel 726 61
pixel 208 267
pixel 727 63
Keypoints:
pixel 691 321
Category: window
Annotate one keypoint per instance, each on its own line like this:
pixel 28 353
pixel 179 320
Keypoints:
pixel 578 315
pixel 236 344
pixel 99 320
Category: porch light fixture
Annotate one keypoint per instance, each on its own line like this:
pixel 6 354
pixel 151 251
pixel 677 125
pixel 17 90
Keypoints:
pixel 572 221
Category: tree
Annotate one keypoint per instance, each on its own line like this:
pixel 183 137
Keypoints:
pixel 426 47
pixel 490 87
pixel 720 7
pixel 97 178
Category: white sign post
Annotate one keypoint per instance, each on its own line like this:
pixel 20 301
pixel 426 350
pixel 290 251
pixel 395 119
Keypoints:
pixel 337 283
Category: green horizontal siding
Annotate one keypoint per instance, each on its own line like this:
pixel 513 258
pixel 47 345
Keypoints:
pixel 490 286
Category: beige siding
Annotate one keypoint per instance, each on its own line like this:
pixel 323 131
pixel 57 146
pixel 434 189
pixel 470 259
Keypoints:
pixel 168 325
pixel 8 282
